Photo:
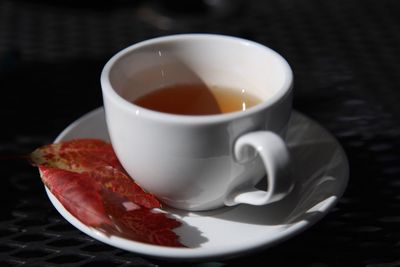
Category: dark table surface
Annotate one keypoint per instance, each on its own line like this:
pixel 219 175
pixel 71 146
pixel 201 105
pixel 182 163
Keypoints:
pixel 346 58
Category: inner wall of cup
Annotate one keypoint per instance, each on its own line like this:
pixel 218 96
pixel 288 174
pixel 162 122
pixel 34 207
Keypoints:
pixel 223 63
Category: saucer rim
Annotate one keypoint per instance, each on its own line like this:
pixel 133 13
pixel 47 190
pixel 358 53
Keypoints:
pixel 190 254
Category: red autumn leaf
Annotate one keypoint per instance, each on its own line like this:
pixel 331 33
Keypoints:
pixel 73 189
pixel 96 158
pixel 88 180
pixel 142 224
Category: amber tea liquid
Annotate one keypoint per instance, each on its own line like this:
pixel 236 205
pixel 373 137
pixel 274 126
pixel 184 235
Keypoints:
pixel 197 99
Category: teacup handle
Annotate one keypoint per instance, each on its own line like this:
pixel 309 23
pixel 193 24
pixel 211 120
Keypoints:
pixel 276 158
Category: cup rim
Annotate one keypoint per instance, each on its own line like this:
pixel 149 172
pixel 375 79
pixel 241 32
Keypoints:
pixel 112 95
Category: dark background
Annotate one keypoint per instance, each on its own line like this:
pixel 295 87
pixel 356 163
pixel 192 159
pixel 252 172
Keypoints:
pixel 346 58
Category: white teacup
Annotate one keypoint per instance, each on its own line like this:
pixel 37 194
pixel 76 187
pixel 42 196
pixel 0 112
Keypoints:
pixel 201 162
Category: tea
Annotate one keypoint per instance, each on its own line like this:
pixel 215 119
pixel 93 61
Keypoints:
pixel 197 99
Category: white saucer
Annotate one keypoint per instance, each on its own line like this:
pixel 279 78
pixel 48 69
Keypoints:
pixel 321 170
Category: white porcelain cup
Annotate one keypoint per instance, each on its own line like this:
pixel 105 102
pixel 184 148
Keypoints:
pixel 201 162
